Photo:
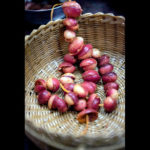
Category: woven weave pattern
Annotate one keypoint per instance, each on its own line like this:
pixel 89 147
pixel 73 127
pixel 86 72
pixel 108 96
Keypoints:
pixel 44 51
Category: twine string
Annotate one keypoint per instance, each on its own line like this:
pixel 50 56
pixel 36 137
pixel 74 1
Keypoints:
pixel 101 105
pixel 64 88
pixel 53 10
pixel 86 128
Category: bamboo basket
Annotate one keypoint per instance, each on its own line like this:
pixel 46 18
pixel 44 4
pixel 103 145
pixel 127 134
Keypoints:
pixel 44 51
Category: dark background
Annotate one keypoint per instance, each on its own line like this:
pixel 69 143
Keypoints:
pixel 106 6
pixel 117 7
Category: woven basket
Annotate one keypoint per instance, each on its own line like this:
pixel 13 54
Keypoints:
pixel 44 51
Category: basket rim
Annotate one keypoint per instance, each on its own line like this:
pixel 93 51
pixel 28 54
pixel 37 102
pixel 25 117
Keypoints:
pixel 34 134
pixel 105 17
